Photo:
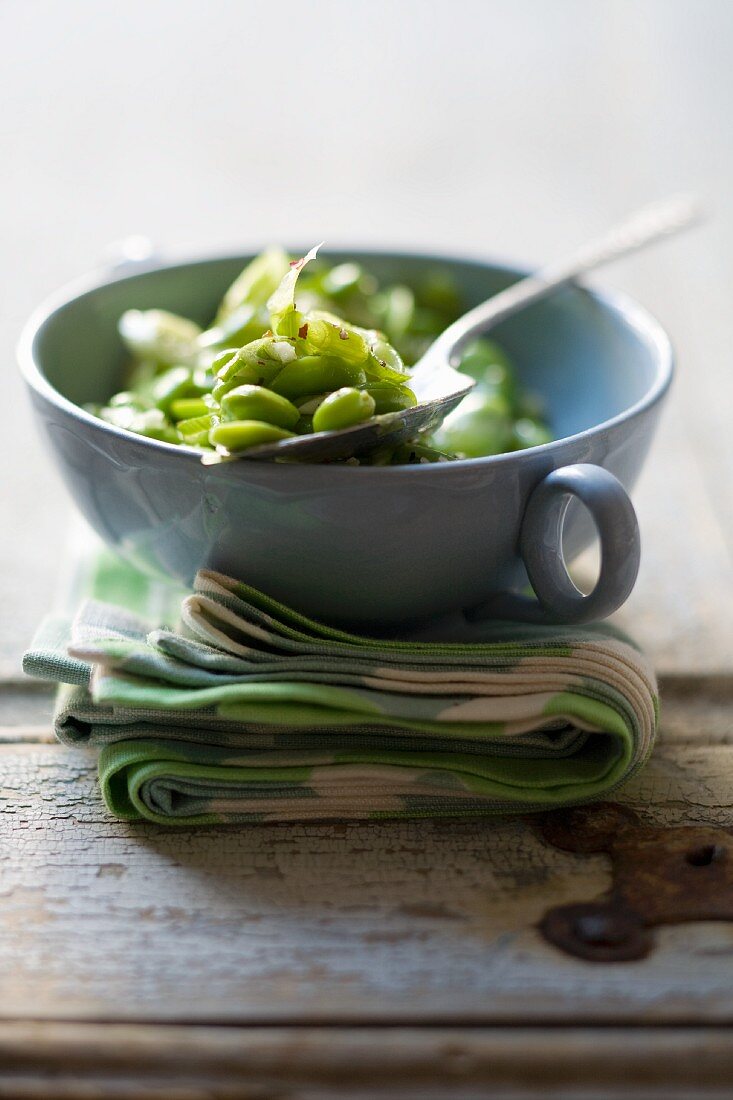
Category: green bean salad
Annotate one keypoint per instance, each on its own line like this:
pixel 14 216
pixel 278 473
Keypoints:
pixel 268 368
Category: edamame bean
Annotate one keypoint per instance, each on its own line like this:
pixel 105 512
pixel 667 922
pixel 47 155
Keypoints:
pixel 126 399
pixel 268 355
pixel 488 364
pixel 342 409
pixel 185 408
pixel 316 374
pixel 221 360
pixel 481 425
pixel 195 430
pixel 399 310
pixel 383 366
pixel 415 452
pixel 529 433
pixel 251 374
pixel 438 292
pixel 141 378
pixel 324 337
pixel 308 405
pixel 240 435
pixel 122 416
pixel 176 383
pixel 426 322
pixel 257 403
pixel 239 328
pixel 154 424
pixel 342 280
pixel 163 337
pixel 530 407
pixel 260 278
pixel 389 398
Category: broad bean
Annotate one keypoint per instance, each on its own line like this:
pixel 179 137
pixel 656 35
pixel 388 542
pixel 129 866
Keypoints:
pixel 159 336
pixel 529 433
pixel 253 286
pixel 267 355
pixel 237 329
pixel 324 337
pixel 184 408
pixel 342 280
pixel 240 435
pixel 195 430
pixel 343 408
pixel 257 403
pixel 390 398
pixel 316 374
pixel 154 424
pixel 481 425
pixel 177 383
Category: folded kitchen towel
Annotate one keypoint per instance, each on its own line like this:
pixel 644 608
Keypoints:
pixel 246 711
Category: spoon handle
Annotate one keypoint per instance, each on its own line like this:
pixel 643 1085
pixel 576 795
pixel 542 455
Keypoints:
pixel 654 222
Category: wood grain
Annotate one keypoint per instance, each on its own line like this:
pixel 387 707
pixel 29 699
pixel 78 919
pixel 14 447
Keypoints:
pixel 400 922
pixel 696 711
pixel 120 1062
pixel 26 710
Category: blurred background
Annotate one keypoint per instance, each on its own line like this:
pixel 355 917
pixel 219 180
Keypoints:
pixel 485 127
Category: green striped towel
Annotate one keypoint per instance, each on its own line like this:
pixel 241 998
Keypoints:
pixel 223 705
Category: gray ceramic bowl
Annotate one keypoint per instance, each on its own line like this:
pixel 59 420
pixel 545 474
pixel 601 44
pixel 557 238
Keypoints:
pixel 374 546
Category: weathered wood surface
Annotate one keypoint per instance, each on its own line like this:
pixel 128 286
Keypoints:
pixel 423 921
pixel 133 1062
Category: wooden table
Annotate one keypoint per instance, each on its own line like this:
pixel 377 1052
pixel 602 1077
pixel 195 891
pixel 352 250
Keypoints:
pixel 381 960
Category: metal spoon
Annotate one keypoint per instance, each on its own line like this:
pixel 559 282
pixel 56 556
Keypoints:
pixel 438 387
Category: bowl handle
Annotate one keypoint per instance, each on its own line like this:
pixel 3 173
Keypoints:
pixel 540 544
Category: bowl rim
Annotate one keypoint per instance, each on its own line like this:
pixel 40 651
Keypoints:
pixel 631 312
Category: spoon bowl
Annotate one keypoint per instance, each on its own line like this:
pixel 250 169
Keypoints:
pixel 438 388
